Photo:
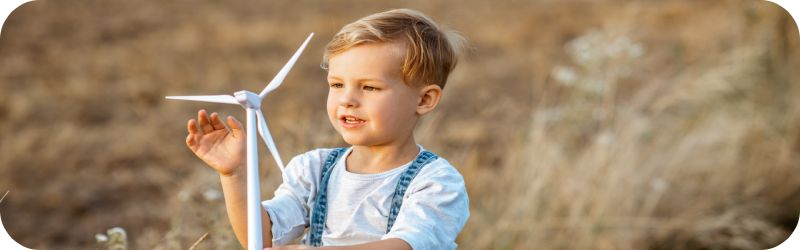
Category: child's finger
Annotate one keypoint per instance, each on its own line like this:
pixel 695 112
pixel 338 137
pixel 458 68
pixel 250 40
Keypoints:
pixel 236 127
pixel 205 125
pixel 190 141
pixel 191 126
pixel 215 122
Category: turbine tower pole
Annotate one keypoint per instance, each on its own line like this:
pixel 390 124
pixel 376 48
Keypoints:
pixel 253 191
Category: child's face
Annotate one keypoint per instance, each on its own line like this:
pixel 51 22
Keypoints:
pixel 369 103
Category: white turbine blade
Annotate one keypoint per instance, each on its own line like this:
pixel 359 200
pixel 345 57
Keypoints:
pixel 228 99
pixel 264 131
pixel 285 70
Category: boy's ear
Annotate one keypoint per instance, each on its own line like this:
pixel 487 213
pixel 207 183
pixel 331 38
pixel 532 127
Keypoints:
pixel 429 98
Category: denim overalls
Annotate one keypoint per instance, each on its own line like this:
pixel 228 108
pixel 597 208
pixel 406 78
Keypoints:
pixel 320 211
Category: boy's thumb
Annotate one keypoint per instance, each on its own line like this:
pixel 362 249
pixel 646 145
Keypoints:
pixel 236 126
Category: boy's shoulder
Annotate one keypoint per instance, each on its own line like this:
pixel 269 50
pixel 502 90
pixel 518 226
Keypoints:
pixel 318 154
pixel 439 168
pixel 308 165
pixel 438 177
pixel 314 157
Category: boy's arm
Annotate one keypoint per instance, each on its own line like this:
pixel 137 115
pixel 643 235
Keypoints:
pixel 387 244
pixel 233 186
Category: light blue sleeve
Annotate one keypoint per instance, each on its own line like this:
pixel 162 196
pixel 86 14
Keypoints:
pixel 434 211
pixel 288 209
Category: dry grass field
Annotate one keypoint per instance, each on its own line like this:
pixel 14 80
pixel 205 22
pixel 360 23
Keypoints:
pixel 576 124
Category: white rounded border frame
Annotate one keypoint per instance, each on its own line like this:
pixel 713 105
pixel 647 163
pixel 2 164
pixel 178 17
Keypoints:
pixel 8 6
pixel 793 8
pixel 6 242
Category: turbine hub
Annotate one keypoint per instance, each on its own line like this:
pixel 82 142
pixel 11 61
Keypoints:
pixel 248 99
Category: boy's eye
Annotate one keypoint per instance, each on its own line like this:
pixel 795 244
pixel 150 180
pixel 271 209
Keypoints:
pixel 370 88
pixel 336 85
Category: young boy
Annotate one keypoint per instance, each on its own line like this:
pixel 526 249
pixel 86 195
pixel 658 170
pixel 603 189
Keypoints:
pixel 385 71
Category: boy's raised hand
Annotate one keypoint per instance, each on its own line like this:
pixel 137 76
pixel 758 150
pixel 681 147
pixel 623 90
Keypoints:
pixel 221 149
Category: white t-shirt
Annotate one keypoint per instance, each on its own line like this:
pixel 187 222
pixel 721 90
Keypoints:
pixel 435 205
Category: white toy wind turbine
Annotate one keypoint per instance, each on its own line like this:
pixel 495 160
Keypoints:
pixel 252 103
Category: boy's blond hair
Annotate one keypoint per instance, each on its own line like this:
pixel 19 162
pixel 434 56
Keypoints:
pixel 431 51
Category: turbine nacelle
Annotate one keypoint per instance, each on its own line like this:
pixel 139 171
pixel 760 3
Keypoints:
pixel 248 99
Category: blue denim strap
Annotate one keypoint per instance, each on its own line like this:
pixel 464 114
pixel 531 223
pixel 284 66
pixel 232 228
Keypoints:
pixel 321 205
pixel 405 179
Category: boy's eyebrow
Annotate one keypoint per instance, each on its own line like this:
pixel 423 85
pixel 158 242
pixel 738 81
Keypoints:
pixel 367 79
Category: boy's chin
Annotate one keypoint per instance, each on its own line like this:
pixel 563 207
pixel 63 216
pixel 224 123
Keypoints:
pixel 357 141
pixel 353 141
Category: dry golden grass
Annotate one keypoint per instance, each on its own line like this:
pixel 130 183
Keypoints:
pixel 610 125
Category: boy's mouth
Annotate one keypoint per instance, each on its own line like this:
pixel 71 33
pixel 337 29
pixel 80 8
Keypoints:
pixel 351 121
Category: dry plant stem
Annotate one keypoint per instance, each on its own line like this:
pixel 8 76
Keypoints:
pixel 198 241
pixel 4 196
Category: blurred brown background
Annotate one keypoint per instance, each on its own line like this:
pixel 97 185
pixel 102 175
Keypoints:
pixel 577 125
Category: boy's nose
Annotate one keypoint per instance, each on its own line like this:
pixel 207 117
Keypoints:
pixel 348 99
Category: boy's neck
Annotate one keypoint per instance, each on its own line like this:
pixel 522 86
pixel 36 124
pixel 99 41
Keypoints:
pixel 381 158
